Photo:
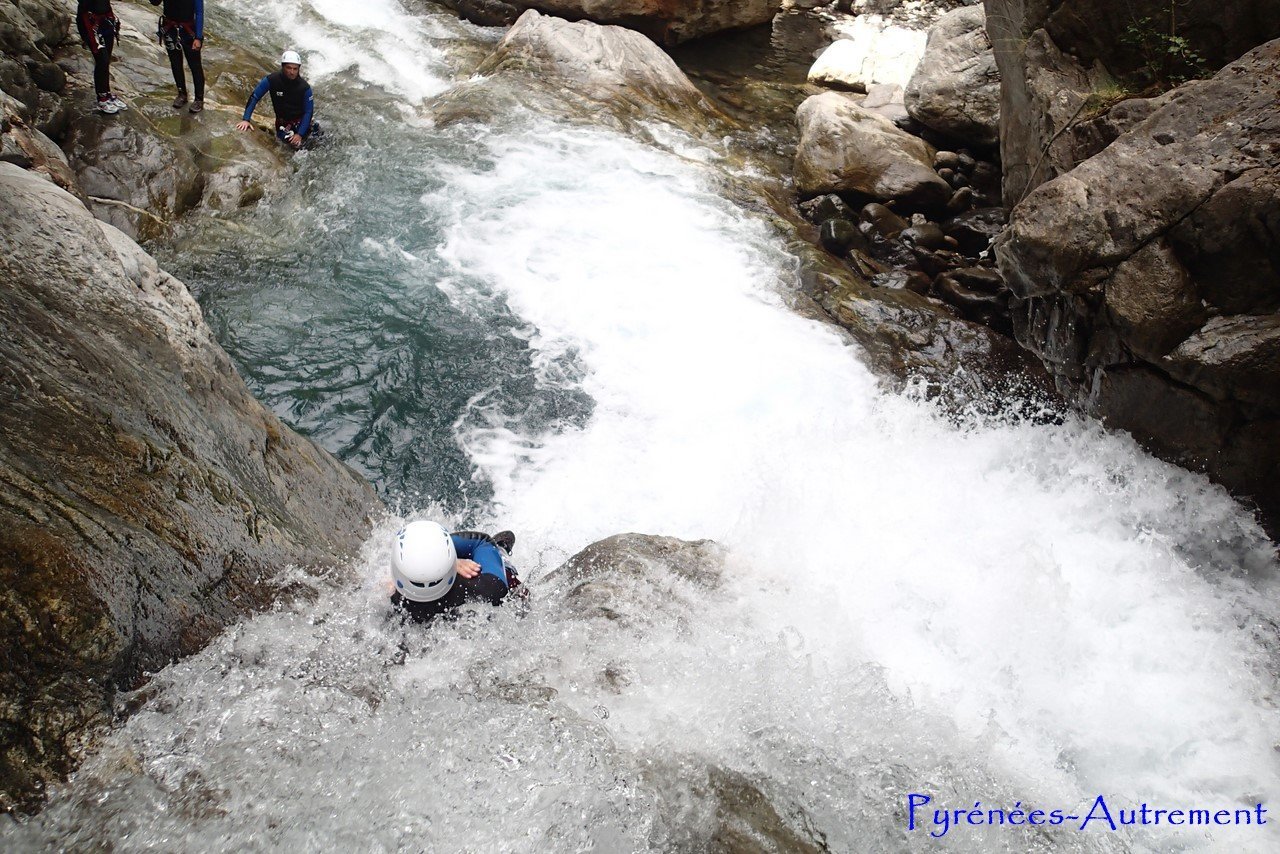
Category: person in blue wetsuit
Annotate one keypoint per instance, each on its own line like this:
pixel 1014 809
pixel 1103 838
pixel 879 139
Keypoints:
pixel 435 571
pixel 292 100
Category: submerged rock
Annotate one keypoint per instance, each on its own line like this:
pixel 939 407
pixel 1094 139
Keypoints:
pixel 632 577
pixel 146 499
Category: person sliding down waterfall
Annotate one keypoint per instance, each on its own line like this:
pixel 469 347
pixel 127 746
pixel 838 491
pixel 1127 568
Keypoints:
pixel 435 571
pixel 291 97
pixel 181 31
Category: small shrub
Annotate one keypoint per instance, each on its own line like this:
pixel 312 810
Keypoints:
pixel 1103 98
pixel 1165 59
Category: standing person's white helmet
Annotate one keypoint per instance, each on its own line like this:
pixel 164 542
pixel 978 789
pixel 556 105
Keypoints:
pixel 422 560
pixel 290 57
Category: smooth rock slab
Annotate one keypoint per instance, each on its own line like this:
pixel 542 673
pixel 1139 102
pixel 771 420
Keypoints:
pixel 146 499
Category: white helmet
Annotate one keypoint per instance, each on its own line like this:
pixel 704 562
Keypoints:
pixel 290 57
pixel 422 560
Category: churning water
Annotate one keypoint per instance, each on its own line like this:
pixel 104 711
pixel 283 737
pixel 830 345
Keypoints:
pixel 561 331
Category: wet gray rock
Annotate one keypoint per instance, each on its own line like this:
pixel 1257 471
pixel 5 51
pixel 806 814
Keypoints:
pixel 972 288
pixel 624 586
pixel 846 149
pixel 25 146
pixel 908 336
pixel 146 499
pixel 486 13
pixel 144 169
pixel 911 280
pixel 578 70
pixel 883 221
pixel 926 235
pixel 619 578
pixel 838 236
pixel 956 88
pixel 823 208
pixel 142 176
pixel 1152 272
pixel 667 22
pixel 974 230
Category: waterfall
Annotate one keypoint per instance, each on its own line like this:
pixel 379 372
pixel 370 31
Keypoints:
pixel 587 338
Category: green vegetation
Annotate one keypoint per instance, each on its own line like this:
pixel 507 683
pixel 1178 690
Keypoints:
pixel 1105 96
pixel 1164 58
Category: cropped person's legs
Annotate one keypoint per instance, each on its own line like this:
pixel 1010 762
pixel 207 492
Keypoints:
pixel 179 76
pixel 197 70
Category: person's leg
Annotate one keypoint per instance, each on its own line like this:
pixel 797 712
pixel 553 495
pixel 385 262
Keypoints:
pixel 179 76
pixel 197 70
pixel 491 583
pixel 105 38
pixel 102 73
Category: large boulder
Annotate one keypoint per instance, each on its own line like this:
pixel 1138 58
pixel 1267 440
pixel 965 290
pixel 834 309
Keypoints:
pixel 956 87
pixel 1148 277
pixel 146 499
pixel 870 50
pixel 24 145
pixel 667 22
pixel 1061 62
pixel 846 149
pixel 30 30
pixel 577 70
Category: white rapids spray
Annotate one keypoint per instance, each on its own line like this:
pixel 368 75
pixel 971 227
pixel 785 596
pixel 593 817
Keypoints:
pixel 1003 613
pixel 1025 580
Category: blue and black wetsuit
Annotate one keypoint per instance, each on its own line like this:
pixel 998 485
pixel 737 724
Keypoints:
pixel 180 26
pixel 496 579
pixel 292 101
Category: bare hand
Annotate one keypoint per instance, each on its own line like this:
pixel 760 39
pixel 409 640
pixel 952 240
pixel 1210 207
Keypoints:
pixel 244 126
pixel 296 142
pixel 466 568
pixel 196 44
